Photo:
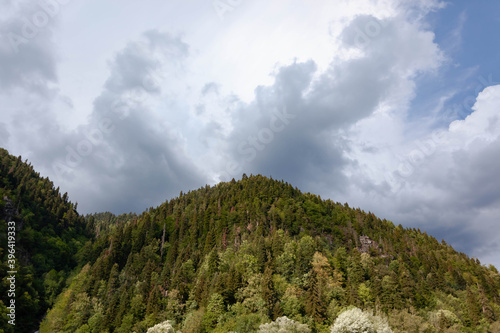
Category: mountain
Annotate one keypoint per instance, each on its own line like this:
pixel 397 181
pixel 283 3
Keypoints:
pixel 242 253
pixel 44 237
pixel 228 258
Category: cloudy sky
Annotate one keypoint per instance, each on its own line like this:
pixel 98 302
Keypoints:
pixel 391 106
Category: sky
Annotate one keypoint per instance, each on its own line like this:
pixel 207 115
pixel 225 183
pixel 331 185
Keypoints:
pixel 391 106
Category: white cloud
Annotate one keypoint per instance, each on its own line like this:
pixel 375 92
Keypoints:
pixel 445 182
pixel 483 123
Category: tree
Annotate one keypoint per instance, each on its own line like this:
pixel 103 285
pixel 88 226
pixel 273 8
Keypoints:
pixel 215 308
pixel 284 325
pixel 164 327
pixel 390 296
pixel 126 324
pixel 310 270
pixel 364 293
pixel 314 303
pixel 286 261
pixel 355 269
pixel 305 252
pixel 268 293
pixel 443 319
pixel 174 307
pixel 292 306
pixel 355 320
pixel 193 321
pixel 473 308
pixel 213 262
pixel 406 283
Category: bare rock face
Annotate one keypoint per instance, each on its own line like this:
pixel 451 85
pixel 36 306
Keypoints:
pixel 366 244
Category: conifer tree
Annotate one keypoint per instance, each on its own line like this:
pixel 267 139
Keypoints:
pixel 213 262
pixel 268 293
pixel 314 304
pixel 473 308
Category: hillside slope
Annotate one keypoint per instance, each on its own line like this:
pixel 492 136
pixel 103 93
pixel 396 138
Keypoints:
pixel 233 256
pixel 48 233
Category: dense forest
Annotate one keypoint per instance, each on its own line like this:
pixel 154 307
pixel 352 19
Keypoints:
pixel 241 256
pixel 49 233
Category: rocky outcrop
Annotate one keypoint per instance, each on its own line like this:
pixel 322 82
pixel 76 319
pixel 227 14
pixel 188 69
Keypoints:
pixel 366 244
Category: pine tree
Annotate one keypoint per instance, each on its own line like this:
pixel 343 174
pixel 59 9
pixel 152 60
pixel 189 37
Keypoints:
pixel 215 309
pixel 268 293
pixel 484 303
pixel 153 299
pixel 313 262
pixel 473 308
pixel 213 262
pixel 406 284
pixel 210 241
pixel 314 304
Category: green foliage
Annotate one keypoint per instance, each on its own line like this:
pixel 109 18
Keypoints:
pixel 237 255
pixel 49 233
pixel 214 310
pixel 314 301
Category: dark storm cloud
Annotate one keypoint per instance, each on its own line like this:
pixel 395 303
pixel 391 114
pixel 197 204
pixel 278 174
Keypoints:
pixel 125 158
pixel 274 136
pixel 137 166
pixel 294 127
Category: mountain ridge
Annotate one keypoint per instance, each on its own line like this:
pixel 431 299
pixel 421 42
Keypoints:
pixel 235 255
pixel 232 256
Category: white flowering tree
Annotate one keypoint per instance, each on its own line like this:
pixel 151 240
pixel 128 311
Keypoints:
pixel 165 327
pixel 357 321
pixel 284 325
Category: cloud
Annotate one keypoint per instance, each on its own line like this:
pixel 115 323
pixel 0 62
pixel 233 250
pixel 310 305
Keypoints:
pixel 294 127
pixel 167 116
pixel 135 68
pixel 447 181
pixel 27 51
pixel 4 135
pixel 442 181
pixel 127 157
pixel 211 87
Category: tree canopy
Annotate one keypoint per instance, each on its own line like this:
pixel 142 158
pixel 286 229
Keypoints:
pixel 239 256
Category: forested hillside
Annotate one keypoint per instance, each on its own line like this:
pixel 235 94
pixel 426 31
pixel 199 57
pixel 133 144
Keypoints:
pixel 48 234
pixel 239 254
